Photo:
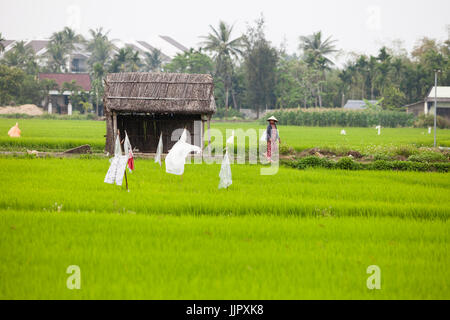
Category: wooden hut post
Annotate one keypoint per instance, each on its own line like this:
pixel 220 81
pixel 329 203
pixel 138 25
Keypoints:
pixel 114 122
pixel 209 133
pixel 109 133
pixel 203 118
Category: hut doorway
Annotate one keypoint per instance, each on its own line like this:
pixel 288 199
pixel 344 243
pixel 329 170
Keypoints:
pixel 144 130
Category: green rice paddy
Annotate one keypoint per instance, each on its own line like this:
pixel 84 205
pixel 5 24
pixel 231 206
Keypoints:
pixel 298 234
pixel 59 135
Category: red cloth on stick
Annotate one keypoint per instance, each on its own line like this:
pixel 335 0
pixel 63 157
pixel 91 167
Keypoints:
pixel 130 160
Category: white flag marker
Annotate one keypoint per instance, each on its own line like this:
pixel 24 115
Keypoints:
pixel 159 150
pixel 225 172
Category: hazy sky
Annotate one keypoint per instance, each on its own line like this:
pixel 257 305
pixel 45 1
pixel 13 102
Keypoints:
pixel 361 26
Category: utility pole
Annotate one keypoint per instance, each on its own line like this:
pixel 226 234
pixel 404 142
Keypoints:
pixel 435 103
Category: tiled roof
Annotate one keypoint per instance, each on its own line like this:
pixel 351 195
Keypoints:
pixel 82 79
pixel 175 43
pixel 37 45
pixel 7 42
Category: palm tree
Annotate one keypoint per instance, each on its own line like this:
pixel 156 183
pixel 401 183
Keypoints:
pixel 98 72
pixel 61 45
pixel 153 60
pixel 316 53
pixel 70 39
pixel 133 61
pixel 57 52
pixel 21 56
pixel 316 50
pixel 126 60
pixel 99 47
pixel 118 62
pixel 57 57
pixel 224 50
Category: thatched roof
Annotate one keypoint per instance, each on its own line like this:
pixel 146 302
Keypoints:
pixel 159 93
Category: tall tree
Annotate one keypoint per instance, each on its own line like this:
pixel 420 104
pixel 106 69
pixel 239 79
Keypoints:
pixel 21 56
pixel 316 53
pixel 153 61
pixel 126 60
pixel 71 39
pixel 59 49
pixel 225 49
pixel 99 47
pixel 316 50
pixel 260 64
pixel 192 61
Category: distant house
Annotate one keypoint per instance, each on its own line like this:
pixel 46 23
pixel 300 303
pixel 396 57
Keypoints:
pixel 59 102
pixel 426 106
pixel 357 104
pixel 78 57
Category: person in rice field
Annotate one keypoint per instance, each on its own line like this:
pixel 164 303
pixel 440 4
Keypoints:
pixel 273 138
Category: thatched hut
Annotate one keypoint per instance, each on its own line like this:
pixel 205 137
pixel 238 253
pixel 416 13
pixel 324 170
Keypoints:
pixel 147 104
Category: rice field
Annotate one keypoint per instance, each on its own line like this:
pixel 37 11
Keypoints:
pixel 307 234
pixel 134 256
pixel 59 135
pixel 298 234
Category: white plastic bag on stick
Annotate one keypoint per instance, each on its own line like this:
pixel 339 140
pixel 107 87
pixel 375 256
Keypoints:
pixel 121 167
pixel 225 172
pixel 264 136
pixel 118 164
pixel 111 174
pixel 159 150
pixel 230 140
pixel 176 158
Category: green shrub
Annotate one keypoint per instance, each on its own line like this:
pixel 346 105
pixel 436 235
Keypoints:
pixel 441 167
pixel 346 163
pixel 286 149
pixel 428 157
pixel 381 156
pixel 313 161
pixel 381 165
pixel 405 150
pixel 424 121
